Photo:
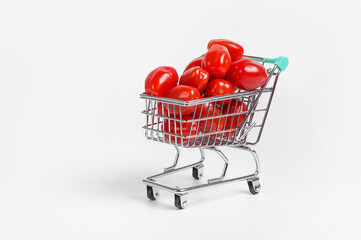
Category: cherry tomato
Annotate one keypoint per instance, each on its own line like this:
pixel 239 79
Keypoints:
pixel 180 128
pixel 233 122
pixel 196 77
pixel 216 61
pixel 203 109
pixel 184 93
pixel 162 110
pixel 218 87
pixel 160 80
pixel 247 74
pixel 194 63
pixel 212 125
pixel 235 50
pixel 209 109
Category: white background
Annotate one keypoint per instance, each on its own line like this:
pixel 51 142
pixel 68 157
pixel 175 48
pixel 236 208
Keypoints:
pixel 72 151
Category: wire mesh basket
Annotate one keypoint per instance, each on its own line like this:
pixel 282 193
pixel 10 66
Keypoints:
pixel 235 120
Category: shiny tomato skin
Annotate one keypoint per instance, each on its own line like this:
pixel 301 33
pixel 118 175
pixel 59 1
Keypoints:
pixel 202 110
pixel 216 61
pixel 212 125
pixel 184 93
pixel 232 122
pixel 209 109
pixel 218 87
pixel 196 77
pixel 160 80
pixel 162 110
pixel 247 74
pixel 183 129
pixel 235 50
pixel 194 63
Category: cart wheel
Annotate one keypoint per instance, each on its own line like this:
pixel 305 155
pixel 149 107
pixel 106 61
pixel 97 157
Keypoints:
pixel 197 171
pixel 254 185
pixel 180 201
pixel 152 193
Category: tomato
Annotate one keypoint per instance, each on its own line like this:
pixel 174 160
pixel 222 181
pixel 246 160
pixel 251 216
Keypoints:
pixel 247 74
pixel 232 122
pixel 212 125
pixel 184 93
pixel 216 61
pixel 235 50
pixel 203 109
pixel 180 128
pixel 162 111
pixel 209 109
pixel 194 63
pixel 160 80
pixel 218 87
pixel 196 77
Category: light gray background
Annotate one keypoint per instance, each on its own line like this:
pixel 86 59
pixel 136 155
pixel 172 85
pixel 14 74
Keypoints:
pixel 72 151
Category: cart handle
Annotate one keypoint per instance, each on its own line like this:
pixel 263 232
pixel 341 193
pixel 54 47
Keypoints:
pixel 281 62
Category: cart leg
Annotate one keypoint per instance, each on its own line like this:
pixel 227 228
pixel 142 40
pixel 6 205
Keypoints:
pixel 181 201
pixel 253 183
pixel 175 160
pixel 197 171
pixel 226 161
pixel 152 193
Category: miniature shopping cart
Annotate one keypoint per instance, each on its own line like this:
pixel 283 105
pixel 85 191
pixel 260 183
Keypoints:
pixel 250 123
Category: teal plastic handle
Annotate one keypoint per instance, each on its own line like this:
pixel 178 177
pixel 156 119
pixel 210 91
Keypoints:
pixel 281 62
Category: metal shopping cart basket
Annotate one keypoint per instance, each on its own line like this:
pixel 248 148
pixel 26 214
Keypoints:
pixel 164 126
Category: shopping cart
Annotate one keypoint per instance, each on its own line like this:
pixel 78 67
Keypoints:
pixel 206 129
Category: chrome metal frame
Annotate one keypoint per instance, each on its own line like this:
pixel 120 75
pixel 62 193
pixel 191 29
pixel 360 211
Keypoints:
pixel 151 181
pixel 163 112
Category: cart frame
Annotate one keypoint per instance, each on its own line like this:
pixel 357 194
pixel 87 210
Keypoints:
pixel 162 113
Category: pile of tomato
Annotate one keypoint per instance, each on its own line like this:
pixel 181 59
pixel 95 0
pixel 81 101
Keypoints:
pixel 221 70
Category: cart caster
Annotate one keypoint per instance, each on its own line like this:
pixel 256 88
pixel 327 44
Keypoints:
pixel 197 171
pixel 180 201
pixel 152 193
pixel 254 185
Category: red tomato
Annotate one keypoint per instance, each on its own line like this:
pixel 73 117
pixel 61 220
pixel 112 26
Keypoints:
pixel 232 122
pixel 194 63
pixel 247 74
pixel 235 50
pixel 216 61
pixel 196 77
pixel 162 111
pixel 180 128
pixel 218 87
pixel 184 93
pixel 203 109
pixel 160 80
pixel 212 125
